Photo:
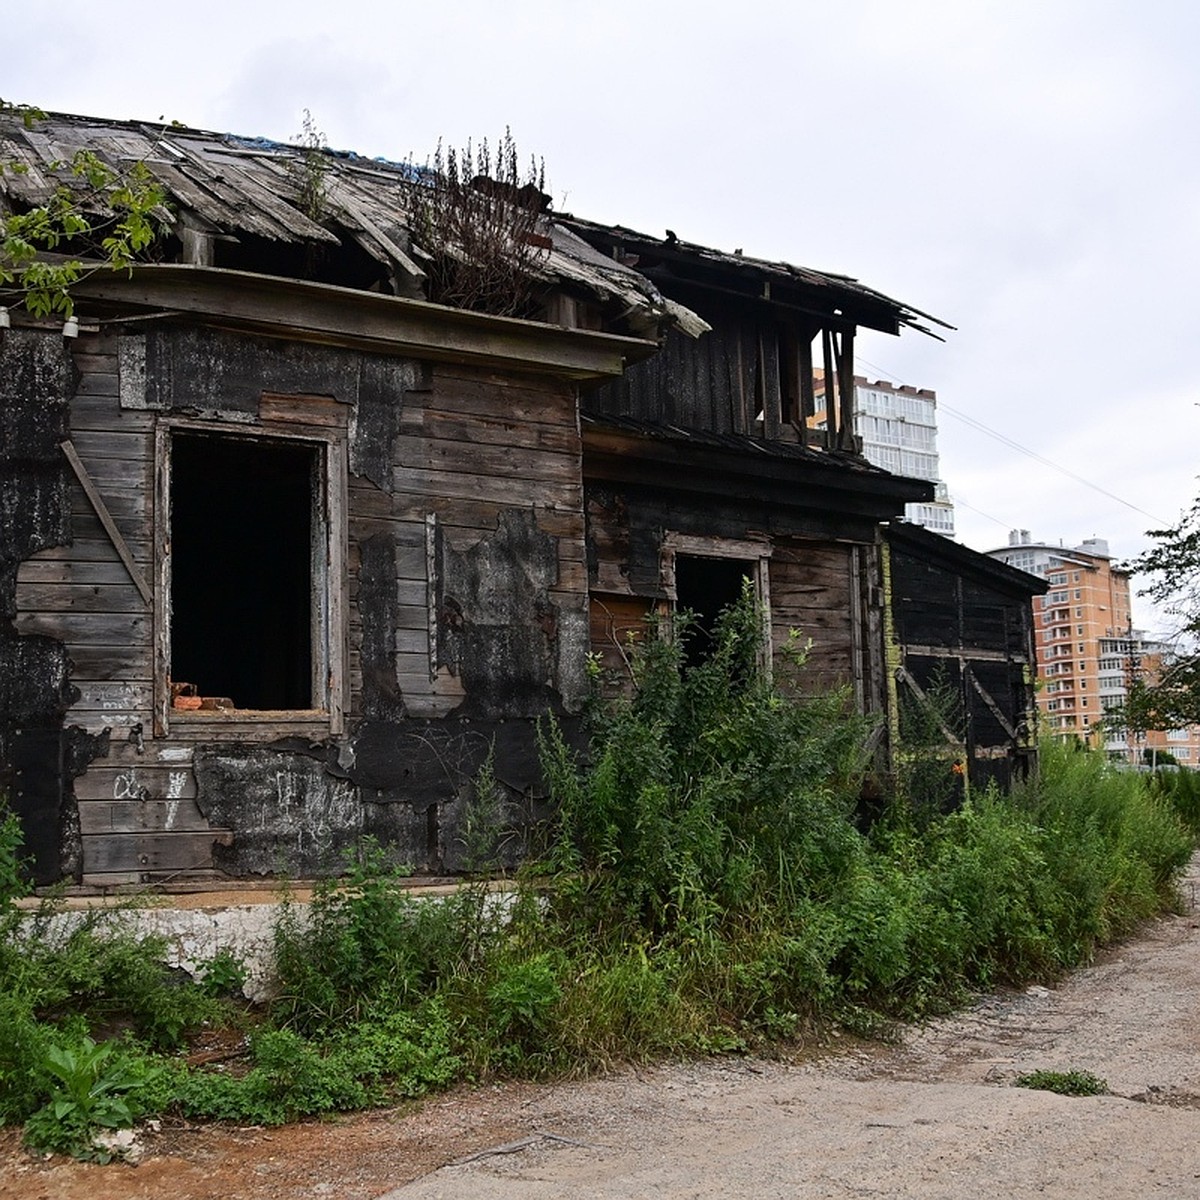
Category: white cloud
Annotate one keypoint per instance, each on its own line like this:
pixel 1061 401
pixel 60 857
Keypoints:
pixel 1022 168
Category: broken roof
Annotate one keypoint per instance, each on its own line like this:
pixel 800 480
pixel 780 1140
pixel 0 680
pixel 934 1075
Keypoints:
pixel 232 187
pixel 669 260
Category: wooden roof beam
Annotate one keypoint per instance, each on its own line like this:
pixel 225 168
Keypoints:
pixel 306 311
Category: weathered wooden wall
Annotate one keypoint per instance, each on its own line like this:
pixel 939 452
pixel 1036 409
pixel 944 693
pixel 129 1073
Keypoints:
pixel 465 605
pixel 39 753
pixel 964 623
pixel 818 586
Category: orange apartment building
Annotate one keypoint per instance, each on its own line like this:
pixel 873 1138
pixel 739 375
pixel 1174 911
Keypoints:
pixel 1087 648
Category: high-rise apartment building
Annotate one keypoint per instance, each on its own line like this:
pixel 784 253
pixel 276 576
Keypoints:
pixel 1087 648
pixel 898 429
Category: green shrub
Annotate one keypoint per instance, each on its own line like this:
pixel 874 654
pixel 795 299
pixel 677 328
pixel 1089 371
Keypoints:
pixel 92 1087
pixel 708 789
pixel 704 889
pixel 366 948
pixel 368 1063
pixel 13 879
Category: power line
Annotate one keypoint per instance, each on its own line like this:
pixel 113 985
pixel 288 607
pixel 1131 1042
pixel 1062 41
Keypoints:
pixel 961 503
pixel 1013 444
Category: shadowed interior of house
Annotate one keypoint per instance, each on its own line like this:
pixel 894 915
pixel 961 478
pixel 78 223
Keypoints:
pixel 241 569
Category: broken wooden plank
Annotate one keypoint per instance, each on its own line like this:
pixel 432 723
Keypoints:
pixel 141 816
pixel 152 851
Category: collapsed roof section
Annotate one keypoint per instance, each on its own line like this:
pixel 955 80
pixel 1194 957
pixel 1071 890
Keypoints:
pixel 248 204
pixel 676 266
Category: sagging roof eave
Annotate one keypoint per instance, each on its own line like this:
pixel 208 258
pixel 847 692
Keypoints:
pixel 871 309
pixel 923 544
pixel 299 309
pixel 232 187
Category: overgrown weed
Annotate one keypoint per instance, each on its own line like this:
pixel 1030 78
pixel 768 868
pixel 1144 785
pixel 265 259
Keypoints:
pixel 705 889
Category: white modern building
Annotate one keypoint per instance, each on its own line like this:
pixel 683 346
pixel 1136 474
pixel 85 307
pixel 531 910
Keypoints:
pixel 898 428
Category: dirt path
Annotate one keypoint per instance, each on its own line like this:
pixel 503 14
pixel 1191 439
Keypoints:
pixel 933 1117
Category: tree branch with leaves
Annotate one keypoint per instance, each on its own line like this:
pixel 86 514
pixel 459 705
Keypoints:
pixel 1171 700
pixel 97 217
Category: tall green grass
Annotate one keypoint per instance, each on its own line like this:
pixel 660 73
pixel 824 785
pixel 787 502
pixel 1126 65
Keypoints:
pixel 705 887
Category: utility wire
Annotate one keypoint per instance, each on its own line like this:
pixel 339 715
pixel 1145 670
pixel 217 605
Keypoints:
pixel 959 502
pixel 1012 444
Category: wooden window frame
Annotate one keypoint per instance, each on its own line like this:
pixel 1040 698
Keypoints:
pixel 755 551
pixel 329 627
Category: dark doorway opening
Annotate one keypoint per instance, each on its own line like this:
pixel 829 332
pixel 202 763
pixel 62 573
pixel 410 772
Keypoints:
pixel 242 587
pixel 706 587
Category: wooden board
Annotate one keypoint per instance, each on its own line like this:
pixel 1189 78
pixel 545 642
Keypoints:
pixel 88 628
pixel 430 486
pixel 122 597
pixel 128 505
pixel 532 466
pixel 141 816
pixel 151 852
pixel 125 664
pixel 114 698
pixel 494 430
pixel 88 545
pixel 128 445
pixel 69 566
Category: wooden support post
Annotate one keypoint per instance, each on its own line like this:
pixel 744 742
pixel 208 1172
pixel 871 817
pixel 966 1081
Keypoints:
pixel 768 366
pixel 845 362
pixel 831 405
pixel 808 395
pixel 789 377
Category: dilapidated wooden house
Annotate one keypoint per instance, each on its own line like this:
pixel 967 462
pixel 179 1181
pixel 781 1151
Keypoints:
pixel 289 550
pixel 960 647
pixel 702 465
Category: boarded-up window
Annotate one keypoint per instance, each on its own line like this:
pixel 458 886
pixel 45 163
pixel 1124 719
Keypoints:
pixel 618 624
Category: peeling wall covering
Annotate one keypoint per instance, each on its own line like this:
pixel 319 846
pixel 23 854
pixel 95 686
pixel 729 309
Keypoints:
pixel 38 757
pixel 377 603
pixel 497 626
pixel 463 624
pixel 467 556
pixel 286 811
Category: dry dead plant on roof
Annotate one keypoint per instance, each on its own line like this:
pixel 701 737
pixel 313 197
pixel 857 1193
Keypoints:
pixel 479 219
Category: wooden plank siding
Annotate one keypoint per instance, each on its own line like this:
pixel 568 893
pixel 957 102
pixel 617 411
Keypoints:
pixel 471 447
pixel 814 586
pixel 476 444
pixel 811 590
pixel 616 624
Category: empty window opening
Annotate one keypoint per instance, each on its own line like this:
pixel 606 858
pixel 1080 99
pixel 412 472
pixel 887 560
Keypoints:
pixel 242 576
pixel 707 586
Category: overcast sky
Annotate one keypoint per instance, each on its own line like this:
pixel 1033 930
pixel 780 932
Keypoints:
pixel 1027 170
